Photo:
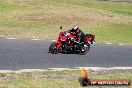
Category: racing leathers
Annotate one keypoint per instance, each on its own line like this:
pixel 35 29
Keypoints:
pixel 81 37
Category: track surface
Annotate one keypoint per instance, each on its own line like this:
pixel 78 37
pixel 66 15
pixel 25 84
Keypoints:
pixel 29 54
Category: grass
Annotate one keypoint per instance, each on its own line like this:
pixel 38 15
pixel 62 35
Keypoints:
pixel 53 79
pixel 41 19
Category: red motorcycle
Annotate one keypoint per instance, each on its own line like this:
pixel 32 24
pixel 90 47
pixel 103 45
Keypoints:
pixel 67 43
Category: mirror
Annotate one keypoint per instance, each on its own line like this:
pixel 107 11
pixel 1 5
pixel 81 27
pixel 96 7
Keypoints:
pixel 60 27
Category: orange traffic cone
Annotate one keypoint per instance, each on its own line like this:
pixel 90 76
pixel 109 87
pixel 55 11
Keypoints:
pixel 84 80
pixel 84 73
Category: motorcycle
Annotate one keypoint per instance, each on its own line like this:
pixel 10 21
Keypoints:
pixel 67 43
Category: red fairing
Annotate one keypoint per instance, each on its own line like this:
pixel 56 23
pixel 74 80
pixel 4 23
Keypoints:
pixel 63 38
pixel 88 39
pixel 58 41
pixel 72 36
pixel 58 44
pixel 60 34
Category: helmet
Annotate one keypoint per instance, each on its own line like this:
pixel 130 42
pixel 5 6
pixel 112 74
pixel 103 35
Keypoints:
pixel 75 28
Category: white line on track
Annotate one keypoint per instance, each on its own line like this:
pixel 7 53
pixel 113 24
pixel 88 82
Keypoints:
pixel 61 69
pixel 22 70
pixel 35 39
pixel 104 68
pixel 121 44
pixel 54 40
pixel 108 43
pixel 11 38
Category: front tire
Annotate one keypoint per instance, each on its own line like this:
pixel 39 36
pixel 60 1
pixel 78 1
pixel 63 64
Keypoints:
pixel 53 48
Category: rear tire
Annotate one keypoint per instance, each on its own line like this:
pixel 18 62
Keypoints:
pixel 53 49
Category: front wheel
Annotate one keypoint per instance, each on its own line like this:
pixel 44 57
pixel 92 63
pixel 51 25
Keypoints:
pixel 53 48
pixel 84 49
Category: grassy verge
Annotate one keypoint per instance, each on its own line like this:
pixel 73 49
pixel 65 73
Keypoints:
pixel 53 79
pixel 41 19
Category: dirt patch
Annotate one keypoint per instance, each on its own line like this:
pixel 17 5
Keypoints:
pixel 9 78
pixel 58 14
pixel 55 76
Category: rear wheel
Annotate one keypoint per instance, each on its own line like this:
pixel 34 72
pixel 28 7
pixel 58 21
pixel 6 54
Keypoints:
pixel 84 49
pixel 53 48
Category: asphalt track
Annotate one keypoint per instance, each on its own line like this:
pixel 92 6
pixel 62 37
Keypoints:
pixel 31 54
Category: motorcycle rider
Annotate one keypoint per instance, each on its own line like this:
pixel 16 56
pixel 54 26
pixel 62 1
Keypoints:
pixel 81 37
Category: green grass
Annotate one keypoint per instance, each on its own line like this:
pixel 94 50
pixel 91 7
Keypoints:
pixel 41 19
pixel 54 79
pixel 114 7
pixel 116 76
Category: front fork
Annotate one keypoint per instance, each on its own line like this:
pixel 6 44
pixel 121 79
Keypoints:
pixel 58 44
